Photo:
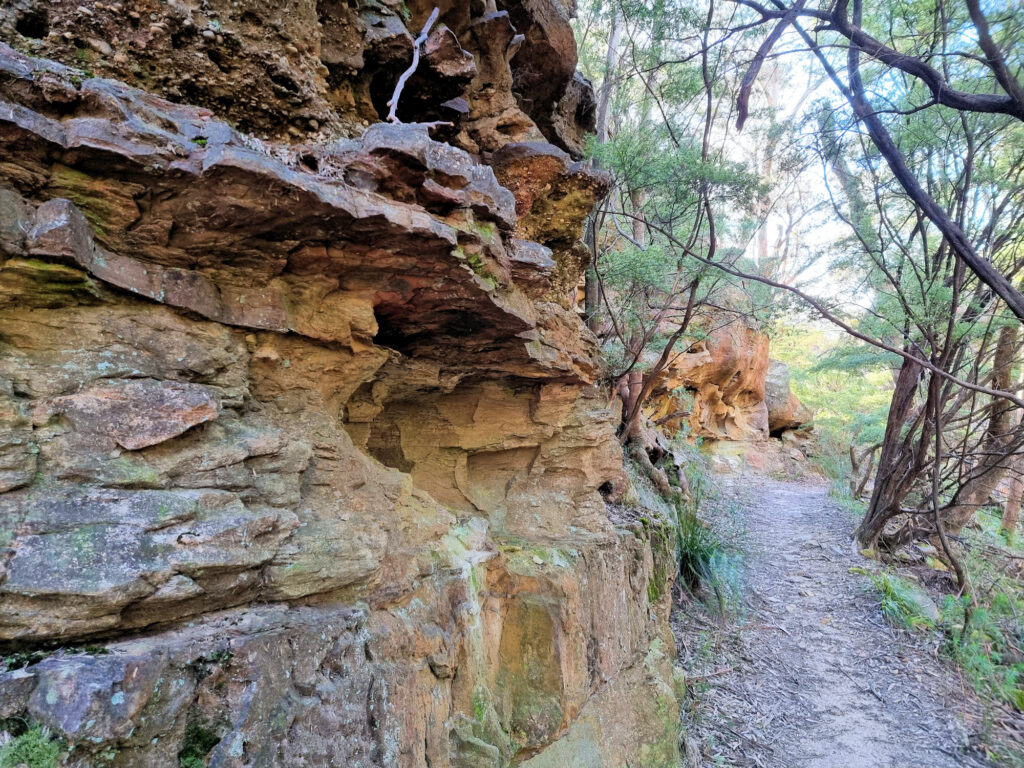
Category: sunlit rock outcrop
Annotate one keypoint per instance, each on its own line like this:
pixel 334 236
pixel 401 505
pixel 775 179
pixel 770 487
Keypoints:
pixel 725 387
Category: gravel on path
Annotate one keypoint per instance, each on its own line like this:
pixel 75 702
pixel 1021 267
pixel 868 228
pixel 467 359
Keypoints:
pixel 808 674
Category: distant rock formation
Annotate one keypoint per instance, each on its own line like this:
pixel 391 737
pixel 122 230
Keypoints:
pixel 726 388
pixel 785 411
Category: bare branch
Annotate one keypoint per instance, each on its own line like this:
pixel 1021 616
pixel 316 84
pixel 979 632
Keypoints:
pixel 419 41
pixel 743 100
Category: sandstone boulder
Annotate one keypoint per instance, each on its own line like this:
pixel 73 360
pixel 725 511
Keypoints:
pixel 785 411
pixel 717 387
pixel 726 388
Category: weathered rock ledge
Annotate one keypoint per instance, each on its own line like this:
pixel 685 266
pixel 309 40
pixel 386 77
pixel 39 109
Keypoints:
pixel 305 437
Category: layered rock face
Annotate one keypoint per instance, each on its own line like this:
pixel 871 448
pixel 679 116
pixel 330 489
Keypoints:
pixel 727 388
pixel 325 67
pixel 301 462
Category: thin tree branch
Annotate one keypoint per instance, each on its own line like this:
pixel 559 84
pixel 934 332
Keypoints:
pixel 419 41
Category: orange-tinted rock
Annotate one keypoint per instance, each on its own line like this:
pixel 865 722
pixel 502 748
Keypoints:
pixel 726 388
pixel 726 374
pixel 311 417
pixel 553 196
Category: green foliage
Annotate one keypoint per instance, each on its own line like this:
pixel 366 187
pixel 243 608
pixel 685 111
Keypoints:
pixel 697 549
pixel 199 742
pixel 899 602
pixel 975 640
pixel 709 554
pixel 35 748
pixel 847 385
pixel 23 659
pixel 985 635
pixel 668 172
pixel 697 544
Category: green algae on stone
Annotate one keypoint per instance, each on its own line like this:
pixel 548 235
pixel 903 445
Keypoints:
pixel 108 205
pixel 36 283
pixel 126 472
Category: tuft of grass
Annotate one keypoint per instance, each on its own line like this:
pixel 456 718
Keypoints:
pixel 901 602
pixel 697 548
pixel 35 748
pixel 709 555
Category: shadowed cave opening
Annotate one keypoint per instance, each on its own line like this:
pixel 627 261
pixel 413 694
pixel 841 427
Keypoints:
pixel 34 24
pixel 436 328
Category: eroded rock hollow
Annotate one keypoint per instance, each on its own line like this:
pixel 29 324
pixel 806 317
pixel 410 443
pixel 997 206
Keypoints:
pixel 726 388
pixel 301 458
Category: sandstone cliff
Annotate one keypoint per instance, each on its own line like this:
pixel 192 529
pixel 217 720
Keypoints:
pixel 301 461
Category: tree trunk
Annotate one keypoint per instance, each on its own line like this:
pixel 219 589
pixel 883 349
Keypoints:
pixel 591 289
pixel 994 463
pixel 611 65
pixel 634 384
pixel 1011 508
pixel 895 463
pixel 636 202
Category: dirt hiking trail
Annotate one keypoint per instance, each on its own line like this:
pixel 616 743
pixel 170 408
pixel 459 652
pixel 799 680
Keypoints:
pixel 809 675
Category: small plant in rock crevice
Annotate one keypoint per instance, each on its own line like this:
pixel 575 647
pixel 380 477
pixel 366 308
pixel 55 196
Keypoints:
pixel 199 742
pixel 34 747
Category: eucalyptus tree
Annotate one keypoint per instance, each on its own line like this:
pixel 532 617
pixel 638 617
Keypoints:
pixel 921 136
pixel 931 308
pixel 677 190
pixel 960 58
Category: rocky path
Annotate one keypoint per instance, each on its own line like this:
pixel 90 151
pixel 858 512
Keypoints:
pixel 810 675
